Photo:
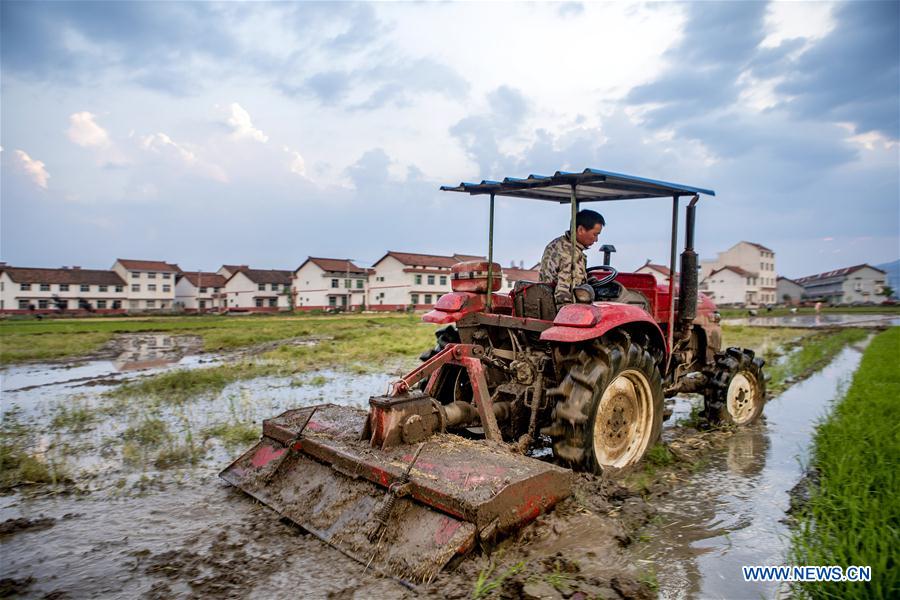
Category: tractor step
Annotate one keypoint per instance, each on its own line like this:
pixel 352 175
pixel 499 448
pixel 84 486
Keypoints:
pixel 312 467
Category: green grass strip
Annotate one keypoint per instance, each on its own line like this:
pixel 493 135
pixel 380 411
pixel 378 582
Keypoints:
pixel 853 517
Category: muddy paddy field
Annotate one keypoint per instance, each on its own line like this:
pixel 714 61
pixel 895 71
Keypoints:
pixel 110 458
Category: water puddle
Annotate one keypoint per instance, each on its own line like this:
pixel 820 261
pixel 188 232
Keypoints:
pixel 730 512
pixel 814 321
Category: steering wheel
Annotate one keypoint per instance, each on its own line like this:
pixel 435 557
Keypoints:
pixel 612 274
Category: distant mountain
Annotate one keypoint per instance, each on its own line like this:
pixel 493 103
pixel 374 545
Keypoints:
pixel 893 275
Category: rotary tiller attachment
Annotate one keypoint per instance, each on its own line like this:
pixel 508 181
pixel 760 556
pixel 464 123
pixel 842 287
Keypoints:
pixel 405 509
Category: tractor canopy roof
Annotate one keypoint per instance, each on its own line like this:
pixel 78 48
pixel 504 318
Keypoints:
pixel 590 185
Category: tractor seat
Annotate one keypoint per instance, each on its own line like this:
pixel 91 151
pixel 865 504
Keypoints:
pixel 534 300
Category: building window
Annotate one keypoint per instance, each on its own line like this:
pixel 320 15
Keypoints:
pixel 85 287
pixel 45 287
pixel 25 287
pixel 167 276
pixel 215 290
pixel 135 275
pixel 203 290
pixel 135 287
pixel 334 283
pixel 274 287
pixel 64 287
pixel 427 298
pixel 151 275
pixel 332 301
pixel 167 288
pixel 23 305
pixel 202 304
pixel 117 304
pixel 42 303
pixel 414 298
pixel 151 287
pixel 443 280
pixel 119 288
pixel 431 280
pixel 359 284
pixel 261 287
pixel 348 284
pixel 273 302
pixel 259 303
pixel 132 304
pixel 102 288
pixel 151 303
pixel 62 304
pixel 418 280
pixel 101 303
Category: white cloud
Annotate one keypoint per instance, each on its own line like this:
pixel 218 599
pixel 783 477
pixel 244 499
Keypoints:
pixel 162 144
pixel 34 168
pixel 84 130
pixel 242 126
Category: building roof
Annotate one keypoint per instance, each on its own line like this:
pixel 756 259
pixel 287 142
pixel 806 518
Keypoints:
pixel 664 270
pixel 514 274
pixel 336 265
pixel 782 278
pixel 737 270
pixel 757 246
pixel 148 265
pixel 234 268
pixel 266 276
pixel 836 273
pixel 75 275
pixel 428 260
pixel 204 279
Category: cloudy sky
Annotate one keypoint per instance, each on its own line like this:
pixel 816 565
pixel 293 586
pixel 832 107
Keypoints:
pixel 262 133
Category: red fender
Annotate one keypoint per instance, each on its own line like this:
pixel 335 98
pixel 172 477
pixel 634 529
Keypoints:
pixel 581 322
pixel 452 307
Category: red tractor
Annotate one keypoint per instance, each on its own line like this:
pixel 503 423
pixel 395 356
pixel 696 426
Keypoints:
pixel 510 373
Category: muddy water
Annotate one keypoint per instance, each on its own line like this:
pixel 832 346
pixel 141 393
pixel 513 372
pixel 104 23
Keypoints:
pixel 819 321
pixel 730 513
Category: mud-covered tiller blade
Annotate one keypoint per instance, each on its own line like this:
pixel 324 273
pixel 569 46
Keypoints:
pixel 312 467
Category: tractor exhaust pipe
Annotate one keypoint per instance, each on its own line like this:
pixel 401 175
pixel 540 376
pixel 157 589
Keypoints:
pixel 688 291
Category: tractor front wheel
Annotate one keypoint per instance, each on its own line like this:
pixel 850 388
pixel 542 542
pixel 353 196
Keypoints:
pixel 737 390
pixel 611 406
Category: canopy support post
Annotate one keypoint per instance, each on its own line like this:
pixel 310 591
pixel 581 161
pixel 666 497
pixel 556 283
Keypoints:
pixel 672 255
pixel 490 272
pixel 572 232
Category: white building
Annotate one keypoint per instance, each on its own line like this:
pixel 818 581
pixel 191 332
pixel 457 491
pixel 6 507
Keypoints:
pixel 729 285
pixel 859 284
pixel 660 272
pixel 757 261
pixel 198 291
pixel 403 279
pixel 258 290
pixel 789 291
pixel 512 275
pixel 329 283
pixel 150 284
pixel 69 289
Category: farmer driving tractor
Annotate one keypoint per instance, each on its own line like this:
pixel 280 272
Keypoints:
pixel 557 264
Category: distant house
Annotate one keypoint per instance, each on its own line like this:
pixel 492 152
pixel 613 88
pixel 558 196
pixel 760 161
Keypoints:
pixel 150 284
pixel 660 272
pixel 323 283
pixel 730 285
pixel 405 279
pixel 198 291
pixel 227 271
pixel 757 263
pixel 789 291
pixel 258 290
pixel 850 285
pixel 512 275
pixel 68 289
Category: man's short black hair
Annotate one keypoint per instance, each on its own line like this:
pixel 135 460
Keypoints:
pixel 588 218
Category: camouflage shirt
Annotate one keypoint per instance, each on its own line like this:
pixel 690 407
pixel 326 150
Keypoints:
pixel 556 268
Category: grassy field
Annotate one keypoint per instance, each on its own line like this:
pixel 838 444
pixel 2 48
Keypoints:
pixel 731 313
pixel 853 516
pixel 24 340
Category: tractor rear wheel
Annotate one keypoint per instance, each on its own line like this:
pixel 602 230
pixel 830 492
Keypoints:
pixel 611 405
pixel 737 390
